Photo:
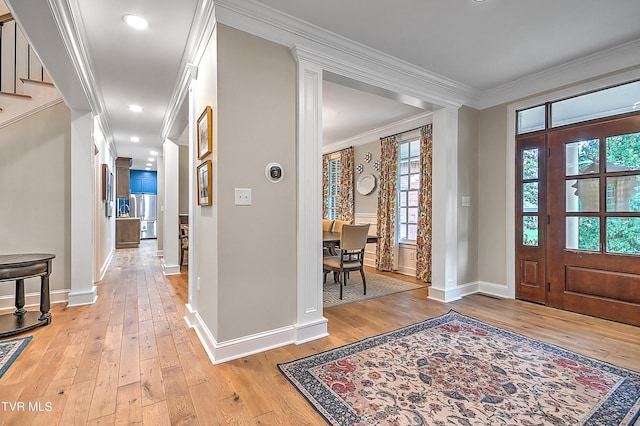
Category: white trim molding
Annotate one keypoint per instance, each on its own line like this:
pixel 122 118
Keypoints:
pixel 105 265
pixel 33 299
pixel 83 298
pixel 229 350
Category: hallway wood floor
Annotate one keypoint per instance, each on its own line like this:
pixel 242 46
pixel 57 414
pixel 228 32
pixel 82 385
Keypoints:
pixel 130 358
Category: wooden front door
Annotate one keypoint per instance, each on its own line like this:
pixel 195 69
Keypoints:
pixel 587 219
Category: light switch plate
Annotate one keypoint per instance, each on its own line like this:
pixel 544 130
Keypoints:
pixel 466 201
pixel 243 197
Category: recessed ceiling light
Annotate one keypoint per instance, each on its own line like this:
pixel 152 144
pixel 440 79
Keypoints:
pixel 135 22
pixel 147 168
pixel 153 152
pixel 149 159
pixel 135 108
pixel 134 139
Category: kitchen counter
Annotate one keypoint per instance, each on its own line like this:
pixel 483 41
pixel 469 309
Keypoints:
pixel 127 232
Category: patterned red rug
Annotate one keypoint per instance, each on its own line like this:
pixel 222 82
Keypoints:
pixel 455 370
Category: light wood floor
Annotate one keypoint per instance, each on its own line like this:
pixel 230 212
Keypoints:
pixel 130 359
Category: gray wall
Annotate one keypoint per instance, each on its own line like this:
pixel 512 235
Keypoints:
pixel 492 163
pixel 366 204
pixel 468 187
pixel 35 189
pixel 253 286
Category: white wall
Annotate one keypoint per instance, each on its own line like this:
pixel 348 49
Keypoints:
pixel 105 225
pixel 35 185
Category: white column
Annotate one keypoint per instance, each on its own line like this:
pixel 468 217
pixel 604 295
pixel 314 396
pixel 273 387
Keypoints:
pixel 83 290
pixel 310 323
pixel 170 249
pixel 444 282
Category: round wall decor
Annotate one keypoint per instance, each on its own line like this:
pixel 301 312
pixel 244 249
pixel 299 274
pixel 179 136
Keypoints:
pixel 367 157
pixel 359 168
pixel 366 184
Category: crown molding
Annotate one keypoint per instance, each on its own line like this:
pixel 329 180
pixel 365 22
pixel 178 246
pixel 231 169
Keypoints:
pixel 329 49
pixel 202 28
pixel 380 132
pixel 607 61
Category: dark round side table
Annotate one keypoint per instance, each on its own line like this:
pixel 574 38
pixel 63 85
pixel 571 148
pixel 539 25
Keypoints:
pixel 18 267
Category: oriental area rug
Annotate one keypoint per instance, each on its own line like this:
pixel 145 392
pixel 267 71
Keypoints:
pixel 455 370
pixel 9 351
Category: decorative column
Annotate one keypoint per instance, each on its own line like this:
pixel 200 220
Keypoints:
pixel 170 250
pixel 444 281
pixel 310 323
pixel 83 291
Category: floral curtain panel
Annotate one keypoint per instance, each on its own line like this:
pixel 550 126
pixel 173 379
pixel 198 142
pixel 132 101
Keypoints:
pixel 387 203
pixel 325 185
pixel 345 208
pixel 423 239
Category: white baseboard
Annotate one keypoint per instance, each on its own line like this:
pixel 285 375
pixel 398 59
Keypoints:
pixel 462 290
pixel 105 265
pixel 33 299
pixel 220 352
pixel 170 269
pixel 83 298
pixel 159 253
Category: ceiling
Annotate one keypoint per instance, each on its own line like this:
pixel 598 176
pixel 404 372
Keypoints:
pixel 479 45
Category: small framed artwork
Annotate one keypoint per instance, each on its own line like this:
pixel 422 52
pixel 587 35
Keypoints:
pixel 204 133
pixel 105 185
pixel 204 183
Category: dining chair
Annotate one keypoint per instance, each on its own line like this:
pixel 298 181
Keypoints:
pixel 337 226
pixel 184 240
pixel 353 240
pixel 327 225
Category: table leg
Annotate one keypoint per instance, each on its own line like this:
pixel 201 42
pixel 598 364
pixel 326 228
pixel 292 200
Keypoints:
pixel 45 302
pixel 20 310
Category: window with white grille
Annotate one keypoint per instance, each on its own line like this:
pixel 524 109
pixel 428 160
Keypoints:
pixel 408 189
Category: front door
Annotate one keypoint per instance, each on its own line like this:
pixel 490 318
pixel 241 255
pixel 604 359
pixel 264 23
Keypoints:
pixel 587 220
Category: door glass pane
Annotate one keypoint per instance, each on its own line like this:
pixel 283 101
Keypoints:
pixel 404 168
pixel 582 157
pixel 532 119
pixel 415 148
pixel 414 181
pixel 530 164
pixel 530 197
pixel 403 232
pixel 530 230
pixel 583 195
pixel 603 103
pixel 413 215
pixel 623 152
pixel 582 233
pixel 623 235
pixel 623 194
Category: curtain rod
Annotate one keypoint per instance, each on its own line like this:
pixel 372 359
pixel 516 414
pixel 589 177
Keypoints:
pixel 404 131
pixel 338 150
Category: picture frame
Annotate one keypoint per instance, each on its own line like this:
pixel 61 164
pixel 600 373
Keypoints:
pixel 105 176
pixel 205 133
pixel 204 184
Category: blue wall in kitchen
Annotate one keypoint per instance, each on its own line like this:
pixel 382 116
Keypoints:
pixel 143 182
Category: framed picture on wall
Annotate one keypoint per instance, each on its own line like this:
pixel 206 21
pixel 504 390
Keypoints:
pixel 204 133
pixel 204 183
pixel 105 185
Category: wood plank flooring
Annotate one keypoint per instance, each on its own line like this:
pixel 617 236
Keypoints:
pixel 130 358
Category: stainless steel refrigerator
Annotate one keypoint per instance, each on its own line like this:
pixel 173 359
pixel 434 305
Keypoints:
pixel 144 207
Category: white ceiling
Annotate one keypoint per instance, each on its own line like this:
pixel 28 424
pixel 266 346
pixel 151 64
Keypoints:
pixel 481 46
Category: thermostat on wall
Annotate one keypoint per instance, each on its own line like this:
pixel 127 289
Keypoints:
pixel 274 172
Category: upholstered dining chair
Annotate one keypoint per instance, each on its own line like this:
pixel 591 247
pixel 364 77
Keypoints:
pixel 327 225
pixel 353 239
pixel 184 241
pixel 337 226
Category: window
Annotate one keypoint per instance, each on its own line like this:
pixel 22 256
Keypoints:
pixel 334 188
pixel 408 189
pixel 601 103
